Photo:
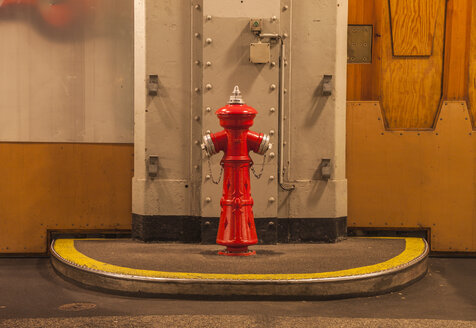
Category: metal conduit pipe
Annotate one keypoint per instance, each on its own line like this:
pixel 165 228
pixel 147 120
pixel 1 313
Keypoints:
pixel 287 187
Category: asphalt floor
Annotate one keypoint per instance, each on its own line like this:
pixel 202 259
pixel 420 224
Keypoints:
pixel 33 295
pixel 298 258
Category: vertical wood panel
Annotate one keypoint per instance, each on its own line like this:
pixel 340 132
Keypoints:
pixel 472 67
pixel 363 79
pixel 413 26
pixel 458 26
pixel 412 86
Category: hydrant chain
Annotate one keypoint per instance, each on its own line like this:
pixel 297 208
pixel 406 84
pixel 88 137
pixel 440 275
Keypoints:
pixel 262 169
pixel 211 173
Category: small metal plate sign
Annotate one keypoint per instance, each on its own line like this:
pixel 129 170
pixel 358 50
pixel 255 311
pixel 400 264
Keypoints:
pixel 359 44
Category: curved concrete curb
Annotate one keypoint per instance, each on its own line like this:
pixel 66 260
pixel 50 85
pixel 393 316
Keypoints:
pixel 393 274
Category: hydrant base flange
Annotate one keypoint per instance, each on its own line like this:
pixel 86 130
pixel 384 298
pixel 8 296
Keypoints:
pixel 237 251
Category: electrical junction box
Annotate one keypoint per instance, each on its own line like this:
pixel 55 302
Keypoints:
pixel 260 53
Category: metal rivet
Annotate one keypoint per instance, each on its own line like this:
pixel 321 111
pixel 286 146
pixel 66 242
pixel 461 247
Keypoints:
pixel 272 86
pixel 197 62
pixel 272 109
pixel 197 35
pixel 285 63
pixel 197 89
pixel 272 155
pixel 273 64
pixel 196 167
pixel 209 63
pixel 209 17
pixel 271 199
pixel 271 223
pixel 285 7
pixel 271 132
pixel 208 132
pixel 208 40
pixel 207 223
pixel 208 176
pixel 196 118
pixel 285 35
pixel 208 86
pixel 285 90
pixel 208 199
pixel 208 109
pixel 197 142
pixel 271 177
pixel 197 6
pixel 274 18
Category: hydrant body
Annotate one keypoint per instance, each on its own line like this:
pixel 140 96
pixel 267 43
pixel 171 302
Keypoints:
pixel 236 229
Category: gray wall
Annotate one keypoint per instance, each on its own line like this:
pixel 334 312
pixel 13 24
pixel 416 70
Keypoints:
pixel 67 85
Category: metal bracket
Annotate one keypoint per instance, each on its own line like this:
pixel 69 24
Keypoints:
pixel 153 85
pixel 327 85
pixel 325 168
pixel 153 166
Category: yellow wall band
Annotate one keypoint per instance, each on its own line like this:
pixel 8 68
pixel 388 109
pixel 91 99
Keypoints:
pixel 414 247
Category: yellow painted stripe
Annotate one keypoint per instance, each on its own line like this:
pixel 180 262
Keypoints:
pixel 414 247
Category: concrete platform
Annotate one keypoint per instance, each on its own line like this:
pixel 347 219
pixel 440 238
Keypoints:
pixel 354 267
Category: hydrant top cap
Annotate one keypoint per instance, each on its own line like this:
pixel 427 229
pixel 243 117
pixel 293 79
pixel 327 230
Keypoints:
pixel 236 105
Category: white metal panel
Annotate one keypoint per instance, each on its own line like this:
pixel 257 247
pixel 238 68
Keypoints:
pixel 242 8
pixel 67 85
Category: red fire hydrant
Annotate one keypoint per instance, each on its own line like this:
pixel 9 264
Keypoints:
pixel 237 229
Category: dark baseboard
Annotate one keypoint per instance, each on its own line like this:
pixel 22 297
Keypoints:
pixel 189 229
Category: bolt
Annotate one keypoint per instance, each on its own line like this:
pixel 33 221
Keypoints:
pixel 208 132
pixel 271 132
pixel 208 86
pixel 285 63
pixel 197 35
pixel 286 7
pixel 271 177
pixel 271 199
pixel 272 155
pixel 197 62
pixel 197 6
pixel 285 35
pixel 209 63
pixel 208 40
pixel 196 142
pixel 196 167
pixel 273 64
pixel 196 118
pixel 207 223
pixel 274 18
pixel 272 109
pixel 208 176
pixel 271 223
pixel 208 109
pixel 197 89
pixel 209 17
pixel 272 86
pixel 208 199
pixel 285 90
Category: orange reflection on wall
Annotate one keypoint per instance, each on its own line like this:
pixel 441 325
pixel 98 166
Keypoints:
pixel 56 13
